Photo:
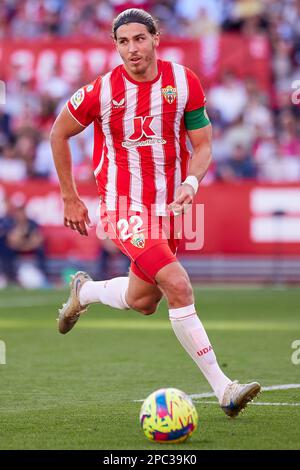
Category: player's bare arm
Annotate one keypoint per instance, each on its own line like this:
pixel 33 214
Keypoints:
pixel 199 164
pixel 75 212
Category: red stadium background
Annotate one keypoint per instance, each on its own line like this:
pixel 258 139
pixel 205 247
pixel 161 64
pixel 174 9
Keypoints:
pixel 70 59
pixel 240 219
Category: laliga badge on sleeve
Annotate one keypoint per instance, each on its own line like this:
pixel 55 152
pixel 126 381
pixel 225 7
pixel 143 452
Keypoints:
pixel 77 98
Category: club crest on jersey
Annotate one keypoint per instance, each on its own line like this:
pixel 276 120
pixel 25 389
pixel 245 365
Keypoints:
pixel 138 240
pixel 169 94
pixel 77 98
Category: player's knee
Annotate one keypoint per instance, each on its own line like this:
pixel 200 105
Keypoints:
pixel 143 307
pixel 179 289
pixel 148 310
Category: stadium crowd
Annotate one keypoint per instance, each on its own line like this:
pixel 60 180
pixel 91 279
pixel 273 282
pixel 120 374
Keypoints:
pixel 256 134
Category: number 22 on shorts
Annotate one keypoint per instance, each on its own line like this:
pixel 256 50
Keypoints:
pixel 135 222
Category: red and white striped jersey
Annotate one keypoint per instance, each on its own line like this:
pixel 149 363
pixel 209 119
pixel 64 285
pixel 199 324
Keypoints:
pixel 140 149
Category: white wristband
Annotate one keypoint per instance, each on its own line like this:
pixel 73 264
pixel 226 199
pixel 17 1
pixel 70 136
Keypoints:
pixel 192 181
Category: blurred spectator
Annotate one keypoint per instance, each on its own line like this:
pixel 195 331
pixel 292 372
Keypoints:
pixel 220 147
pixel 12 168
pixel 240 133
pixel 7 271
pixel 191 11
pixel 43 164
pixel 239 166
pixel 229 98
pixel 288 137
pixel 21 239
pixel 279 168
pixel 6 134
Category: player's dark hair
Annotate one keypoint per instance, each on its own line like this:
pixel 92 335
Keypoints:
pixel 135 15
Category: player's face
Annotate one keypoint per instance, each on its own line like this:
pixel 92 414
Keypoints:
pixel 137 48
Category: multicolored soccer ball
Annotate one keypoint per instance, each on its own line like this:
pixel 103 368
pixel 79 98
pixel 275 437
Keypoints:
pixel 169 416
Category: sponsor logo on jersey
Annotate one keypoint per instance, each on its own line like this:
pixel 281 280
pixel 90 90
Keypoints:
pixel 77 98
pixel 138 240
pixel 169 93
pixel 142 128
pixel 118 104
pixel 143 143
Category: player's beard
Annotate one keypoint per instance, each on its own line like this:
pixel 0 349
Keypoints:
pixel 143 65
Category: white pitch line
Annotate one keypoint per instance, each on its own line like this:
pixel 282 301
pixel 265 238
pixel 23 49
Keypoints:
pixel 264 389
pixel 258 403
pixel 281 387
pixel 264 403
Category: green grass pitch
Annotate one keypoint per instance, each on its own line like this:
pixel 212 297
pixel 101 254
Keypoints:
pixel 78 391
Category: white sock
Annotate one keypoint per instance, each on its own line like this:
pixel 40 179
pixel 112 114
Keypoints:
pixel 192 336
pixel 111 292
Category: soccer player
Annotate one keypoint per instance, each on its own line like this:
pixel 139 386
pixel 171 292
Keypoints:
pixel 142 112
